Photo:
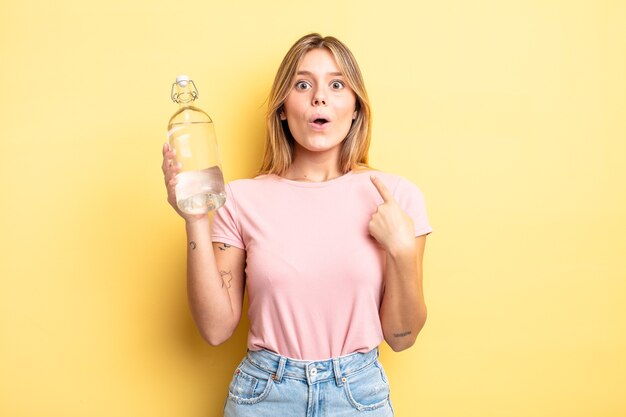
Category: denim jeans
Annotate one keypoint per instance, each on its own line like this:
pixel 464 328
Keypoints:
pixel 268 385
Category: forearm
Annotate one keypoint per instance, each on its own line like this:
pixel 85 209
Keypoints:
pixel 207 292
pixel 403 310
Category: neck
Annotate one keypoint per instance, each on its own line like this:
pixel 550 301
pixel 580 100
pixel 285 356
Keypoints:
pixel 314 167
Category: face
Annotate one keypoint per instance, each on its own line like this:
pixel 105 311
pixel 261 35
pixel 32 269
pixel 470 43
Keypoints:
pixel 320 106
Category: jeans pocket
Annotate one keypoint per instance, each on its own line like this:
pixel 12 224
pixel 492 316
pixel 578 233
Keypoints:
pixel 250 385
pixel 367 389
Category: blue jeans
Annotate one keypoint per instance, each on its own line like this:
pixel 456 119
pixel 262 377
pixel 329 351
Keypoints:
pixel 268 385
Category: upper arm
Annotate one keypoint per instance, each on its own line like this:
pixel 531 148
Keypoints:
pixel 420 244
pixel 231 263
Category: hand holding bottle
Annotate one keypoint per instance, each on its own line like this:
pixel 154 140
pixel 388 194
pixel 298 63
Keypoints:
pixel 170 169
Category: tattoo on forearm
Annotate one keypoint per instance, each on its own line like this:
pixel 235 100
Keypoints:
pixel 224 247
pixel 402 334
pixel 226 278
pixel 192 245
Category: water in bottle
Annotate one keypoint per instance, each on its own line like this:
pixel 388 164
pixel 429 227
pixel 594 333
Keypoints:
pixel 200 183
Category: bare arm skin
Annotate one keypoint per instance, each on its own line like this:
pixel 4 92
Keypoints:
pixel 215 271
pixel 403 309
pixel 215 283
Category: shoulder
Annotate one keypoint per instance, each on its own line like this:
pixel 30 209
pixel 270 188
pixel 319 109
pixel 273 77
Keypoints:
pixel 242 194
pixel 398 185
pixel 250 184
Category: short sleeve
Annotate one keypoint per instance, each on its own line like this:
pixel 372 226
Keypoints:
pixel 411 200
pixel 226 226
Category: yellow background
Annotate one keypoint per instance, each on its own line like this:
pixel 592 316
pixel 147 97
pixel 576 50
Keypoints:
pixel 510 115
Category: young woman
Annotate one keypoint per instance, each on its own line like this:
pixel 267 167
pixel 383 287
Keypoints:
pixel 330 251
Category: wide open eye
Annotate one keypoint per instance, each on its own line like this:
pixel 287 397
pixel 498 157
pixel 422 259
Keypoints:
pixel 303 85
pixel 337 85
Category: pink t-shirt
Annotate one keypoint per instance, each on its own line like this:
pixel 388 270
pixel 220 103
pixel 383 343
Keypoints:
pixel 314 275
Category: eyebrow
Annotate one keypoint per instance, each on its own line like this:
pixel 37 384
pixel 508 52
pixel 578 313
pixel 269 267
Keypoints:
pixel 334 74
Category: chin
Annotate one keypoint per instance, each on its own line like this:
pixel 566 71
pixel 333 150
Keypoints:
pixel 320 144
pixel 320 147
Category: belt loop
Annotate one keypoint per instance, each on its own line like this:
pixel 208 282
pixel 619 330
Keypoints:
pixel 281 370
pixel 337 371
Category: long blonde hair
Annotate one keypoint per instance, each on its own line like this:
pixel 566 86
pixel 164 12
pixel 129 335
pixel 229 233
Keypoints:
pixel 279 144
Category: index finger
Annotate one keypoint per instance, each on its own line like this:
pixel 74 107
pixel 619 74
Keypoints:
pixel 382 189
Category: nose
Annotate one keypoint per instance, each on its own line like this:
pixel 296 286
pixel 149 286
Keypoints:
pixel 319 98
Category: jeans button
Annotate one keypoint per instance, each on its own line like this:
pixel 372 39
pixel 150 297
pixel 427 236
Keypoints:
pixel 313 371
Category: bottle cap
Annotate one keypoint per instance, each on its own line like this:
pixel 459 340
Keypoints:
pixel 182 80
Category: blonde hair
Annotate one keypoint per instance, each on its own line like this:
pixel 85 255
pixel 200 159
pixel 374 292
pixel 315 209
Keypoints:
pixel 279 143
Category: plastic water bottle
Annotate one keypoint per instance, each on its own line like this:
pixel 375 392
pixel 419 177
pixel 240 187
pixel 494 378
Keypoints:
pixel 200 183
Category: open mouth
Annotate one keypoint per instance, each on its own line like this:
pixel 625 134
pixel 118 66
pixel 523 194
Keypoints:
pixel 320 121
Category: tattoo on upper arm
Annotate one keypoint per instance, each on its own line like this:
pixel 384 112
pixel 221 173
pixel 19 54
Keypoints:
pixel 227 277
pixel 224 247
pixel 192 245
pixel 402 334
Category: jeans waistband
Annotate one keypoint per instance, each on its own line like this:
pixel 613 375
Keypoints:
pixel 311 371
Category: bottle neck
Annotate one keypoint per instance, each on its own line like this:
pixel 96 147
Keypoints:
pixel 182 105
pixel 185 99
pixel 184 93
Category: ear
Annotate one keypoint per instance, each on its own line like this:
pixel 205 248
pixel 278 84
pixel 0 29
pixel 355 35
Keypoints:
pixel 354 114
pixel 282 115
